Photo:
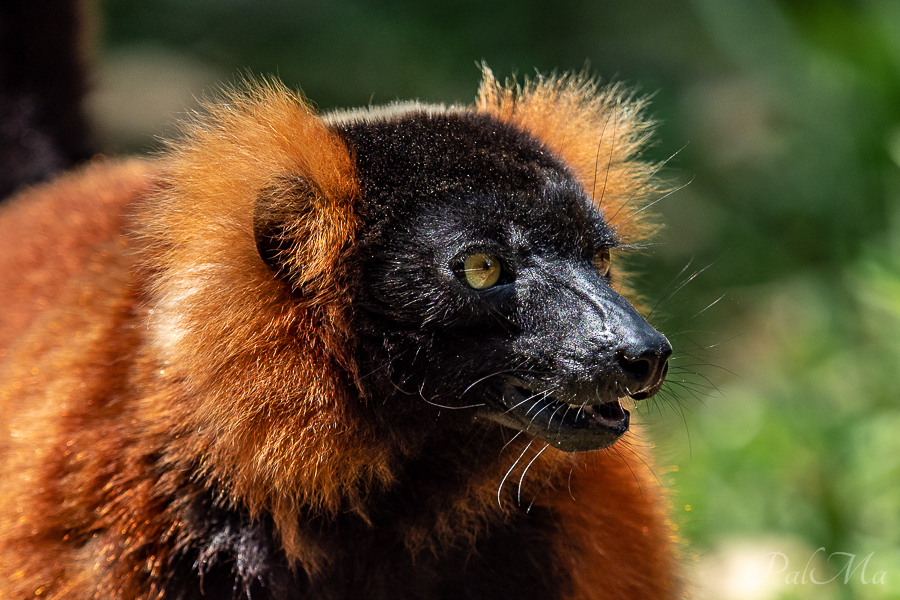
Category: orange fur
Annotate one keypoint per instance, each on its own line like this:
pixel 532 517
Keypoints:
pixel 140 325
pixel 69 220
pixel 598 132
pixel 619 544
pixel 236 366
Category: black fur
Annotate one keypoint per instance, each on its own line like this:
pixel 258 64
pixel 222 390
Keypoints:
pixel 437 187
pixel 233 557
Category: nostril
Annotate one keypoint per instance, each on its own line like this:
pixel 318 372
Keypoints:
pixel 637 370
pixel 644 375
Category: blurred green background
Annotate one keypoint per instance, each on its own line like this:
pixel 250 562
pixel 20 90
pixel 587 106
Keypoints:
pixel 780 430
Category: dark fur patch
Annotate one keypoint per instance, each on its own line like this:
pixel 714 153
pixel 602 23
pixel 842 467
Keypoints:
pixel 231 557
pixel 43 129
pixel 438 187
pixel 237 558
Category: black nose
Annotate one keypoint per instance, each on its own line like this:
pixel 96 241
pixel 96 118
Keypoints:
pixel 644 367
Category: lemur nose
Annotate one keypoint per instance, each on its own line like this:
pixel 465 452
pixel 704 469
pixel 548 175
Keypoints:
pixel 645 371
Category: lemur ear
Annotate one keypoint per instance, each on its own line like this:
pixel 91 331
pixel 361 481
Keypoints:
pixel 280 207
pixel 299 232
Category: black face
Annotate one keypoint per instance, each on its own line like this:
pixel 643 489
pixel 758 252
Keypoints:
pixel 486 281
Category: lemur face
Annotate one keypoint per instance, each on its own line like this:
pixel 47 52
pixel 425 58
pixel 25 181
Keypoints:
pixel 488 281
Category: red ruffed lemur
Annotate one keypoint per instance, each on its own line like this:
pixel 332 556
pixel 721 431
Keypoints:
pixel 373 354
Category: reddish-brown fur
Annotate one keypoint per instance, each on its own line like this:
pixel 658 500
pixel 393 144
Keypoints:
pixel 139 324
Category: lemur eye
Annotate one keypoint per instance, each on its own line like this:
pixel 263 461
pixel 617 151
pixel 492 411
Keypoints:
pixel 481 271
pixel 601 260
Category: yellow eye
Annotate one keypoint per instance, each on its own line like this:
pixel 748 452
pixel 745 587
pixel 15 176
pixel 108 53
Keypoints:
pixel 601 260
pixel 481 271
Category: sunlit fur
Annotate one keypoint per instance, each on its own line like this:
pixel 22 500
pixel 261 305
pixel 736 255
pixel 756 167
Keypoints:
pixel 597 131
pixel 148 357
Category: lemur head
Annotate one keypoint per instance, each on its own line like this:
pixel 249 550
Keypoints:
pixel 320 286
pixel 483 280
pixel 486 280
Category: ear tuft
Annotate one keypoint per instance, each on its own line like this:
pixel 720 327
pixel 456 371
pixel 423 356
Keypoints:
pixel 599 131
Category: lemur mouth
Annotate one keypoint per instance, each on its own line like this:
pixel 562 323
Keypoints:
pixel 574 425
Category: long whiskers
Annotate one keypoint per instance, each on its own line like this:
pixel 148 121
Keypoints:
pixel 522 478
pixel 710 305
pixel 510 470
pixel 538 402
pixel 612 148
pixel 643 184
pixel 427 401
pixel 511 440
pixel 547 480
pixel 650 204
pixel 528 399
pixel 489 375
pixel 679 287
